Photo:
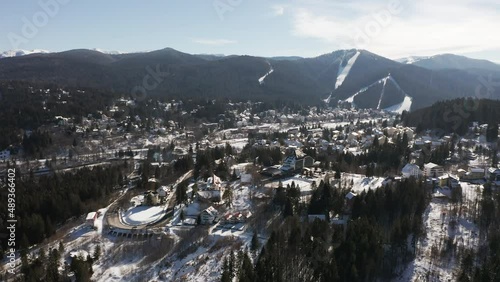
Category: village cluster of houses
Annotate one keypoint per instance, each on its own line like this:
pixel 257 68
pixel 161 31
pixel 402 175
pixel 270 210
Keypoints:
pixel 438 174
pixel 155 195
pixel 210 215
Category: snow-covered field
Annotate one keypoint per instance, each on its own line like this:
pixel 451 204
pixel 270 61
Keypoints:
pixel 362 183
pixel 305 184
pixel 238 144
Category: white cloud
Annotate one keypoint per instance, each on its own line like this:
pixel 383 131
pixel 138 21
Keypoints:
pixel 278 10
pixel 206 41
pixel 421 27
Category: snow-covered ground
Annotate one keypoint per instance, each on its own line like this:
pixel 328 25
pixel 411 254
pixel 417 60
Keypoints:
pixel 344 71
pixel 343 123
pixel 241 197
pixel 403 106
pixel 305 184
pixel 238 143
pixel 443 223
pixel 362 183
pixel 205 262
pixel 143 215
pixel 334 124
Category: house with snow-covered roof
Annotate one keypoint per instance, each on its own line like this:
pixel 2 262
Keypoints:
pixel 296 160
pixel 162 191
pixel 411 170
pixel 493 174
pixel 90 219
pixel 214 183
pixel 474 173
pixel 209 215
pixel 433 170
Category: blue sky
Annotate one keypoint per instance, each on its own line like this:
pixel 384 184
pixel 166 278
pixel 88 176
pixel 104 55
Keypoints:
pixel 391 28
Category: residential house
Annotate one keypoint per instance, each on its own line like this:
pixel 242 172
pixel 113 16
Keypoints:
pixel 210 196
pixel 493 174
pixel 213 183
pixel 474 173
pixel 410 170
pixel 228 219
pixel 433 170
pixel 209 215
pixel 90 219
pixel 296 160
pixel 162 191
pixel 448 181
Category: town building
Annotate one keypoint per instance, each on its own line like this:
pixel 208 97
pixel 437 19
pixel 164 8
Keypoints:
pixel 90 219
pixel 411 170
pixel 296 160
pixel 433 170
pixel 209 215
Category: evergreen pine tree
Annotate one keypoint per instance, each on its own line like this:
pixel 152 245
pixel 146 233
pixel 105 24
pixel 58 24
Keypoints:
pixel 254 246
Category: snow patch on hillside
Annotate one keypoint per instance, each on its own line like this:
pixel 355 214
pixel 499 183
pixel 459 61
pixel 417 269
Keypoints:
pixel 327 100
pixel 261 80
pixel 382 93
pixel 401 107
pixel 351 99
pixel 397 108
pixel 412 59
pixel 344 71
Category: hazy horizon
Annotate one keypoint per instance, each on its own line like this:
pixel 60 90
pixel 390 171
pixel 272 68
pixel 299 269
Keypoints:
pixel 393 29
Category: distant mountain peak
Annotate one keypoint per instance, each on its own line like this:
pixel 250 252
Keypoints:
pixel 449 61
pixel 20 52
pixel 109 52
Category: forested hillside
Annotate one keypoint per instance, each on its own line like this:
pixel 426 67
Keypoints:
pixel 454 115
pixel 379 237
pixel 44 203
pixel 27 106
pixel 174 74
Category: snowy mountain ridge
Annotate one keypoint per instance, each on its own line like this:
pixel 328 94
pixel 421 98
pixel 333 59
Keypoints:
pixel 19 52
pixel 412 59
